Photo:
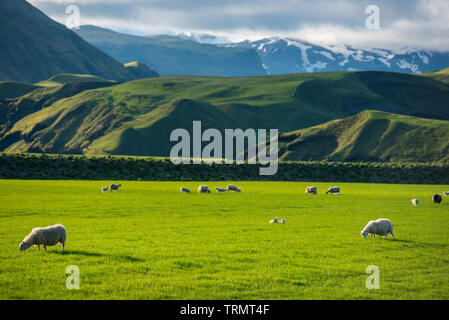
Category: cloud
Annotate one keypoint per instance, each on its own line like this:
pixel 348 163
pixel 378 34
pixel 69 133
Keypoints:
pixel 416 23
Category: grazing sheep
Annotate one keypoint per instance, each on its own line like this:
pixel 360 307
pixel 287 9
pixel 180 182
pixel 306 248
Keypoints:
pixel 446 193
pixel 48 236
pixel 381 227
pixel 232 187
pixel 333 190
pixel 311 190
pixel 221 190
pixel 437 198
pixel 184 190
pixel 104 189
pixel 203 189
pixel 274 220
pixel 282 221
pixel 115 186
pixel 415 202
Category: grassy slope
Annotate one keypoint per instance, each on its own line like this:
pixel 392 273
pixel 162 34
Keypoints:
pixel 370 136
pixel 442 75
pixel 148 241
pixel 13 89
pixel 65 78
pixel 111 120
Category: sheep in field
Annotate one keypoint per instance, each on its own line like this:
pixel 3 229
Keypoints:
pixel 115 186
pixel 311 190
pixel 184 190
pixel 282 221
pixel 48 236
pixel 221 190
pixel 232 187
pixel 333 190
pixel 446 193
pixel 203 189
pixel 381 227
pixel 274 220
pixel 437 198
pixel 415 202
pixel 104 189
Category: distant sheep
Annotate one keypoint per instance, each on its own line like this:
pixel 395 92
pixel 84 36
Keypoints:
pixel 232 187
pixel 184 190
pixel 415 202
pixel 381 227
pixel 221 190
pixel 115 187
pixel 104 189
pixel 282 221
pixel 446 193
pixel 333 190
pixel 274 220
pixel 48 236
pixel 203 189
pixel 311 190
pixel 437 198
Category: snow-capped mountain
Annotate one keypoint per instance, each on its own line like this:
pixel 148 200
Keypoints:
pixel 287 55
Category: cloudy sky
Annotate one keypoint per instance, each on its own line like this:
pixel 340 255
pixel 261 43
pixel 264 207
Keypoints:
pixel 412 23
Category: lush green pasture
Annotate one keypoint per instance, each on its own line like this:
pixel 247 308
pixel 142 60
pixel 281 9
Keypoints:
pixel 149 241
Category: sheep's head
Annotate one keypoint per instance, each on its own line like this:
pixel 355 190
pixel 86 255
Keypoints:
pixel 23 246
pixel 364 234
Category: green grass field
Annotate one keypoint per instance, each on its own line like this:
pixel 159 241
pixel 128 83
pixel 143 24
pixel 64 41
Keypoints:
pixel 149 241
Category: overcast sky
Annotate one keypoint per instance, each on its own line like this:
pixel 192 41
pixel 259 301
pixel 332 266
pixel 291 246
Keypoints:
pixel 413 23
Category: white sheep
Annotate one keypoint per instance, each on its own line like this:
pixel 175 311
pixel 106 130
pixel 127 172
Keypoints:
pixel 232 187
pixel 115 186
pixel 221 190
pixel 104 189
pixel 48 236
pixel 446 193
pixel 333 190
pixel 282 221
pixel 415 202
pixel 184 190
pixel 274 220
pixel 381 227
pixel 203 189
pixel 311 190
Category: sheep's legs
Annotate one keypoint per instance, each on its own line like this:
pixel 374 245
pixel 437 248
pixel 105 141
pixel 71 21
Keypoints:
pixel 38 247
pixel 62 245
pixel 392 235
pixel 45 247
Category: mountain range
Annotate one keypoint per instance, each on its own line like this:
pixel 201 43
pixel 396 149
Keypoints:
pixel 33 48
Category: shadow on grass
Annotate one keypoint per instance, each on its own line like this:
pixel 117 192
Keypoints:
pixel 121 257
pixel 419 244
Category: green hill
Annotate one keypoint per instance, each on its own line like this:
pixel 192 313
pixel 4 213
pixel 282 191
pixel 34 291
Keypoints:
pixel 370 136
pixel 33 48
pixel 136 118
pixel 139 70
pixel 170 55
pixel 13 89
pixel 442 75
pixel 66 78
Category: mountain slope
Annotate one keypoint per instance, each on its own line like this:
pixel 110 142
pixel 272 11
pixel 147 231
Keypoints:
pixel 288 55
pixel 13 89
pixel 33 48
pixel 137 117
pixel 442 75
pixel 173 56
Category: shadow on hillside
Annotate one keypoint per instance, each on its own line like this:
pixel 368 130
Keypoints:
pixel 120 257
pixel 419 244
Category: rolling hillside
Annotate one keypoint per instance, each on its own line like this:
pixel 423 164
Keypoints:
pixel 13 89
pixel 170 55
pixel 442 75
pixel 136 118
pixel 33 48
pixel 370 136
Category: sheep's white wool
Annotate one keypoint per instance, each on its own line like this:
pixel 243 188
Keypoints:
pixel 381 227
pixel 333 190
pixel 184 190
pixel 274 220
pixel 446 193
pixel 203 189
pixel 48 236
pixel 311 190
pixel 415 202
pixel 282 221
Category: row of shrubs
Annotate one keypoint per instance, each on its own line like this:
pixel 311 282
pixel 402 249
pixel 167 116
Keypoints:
pixel 79 167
